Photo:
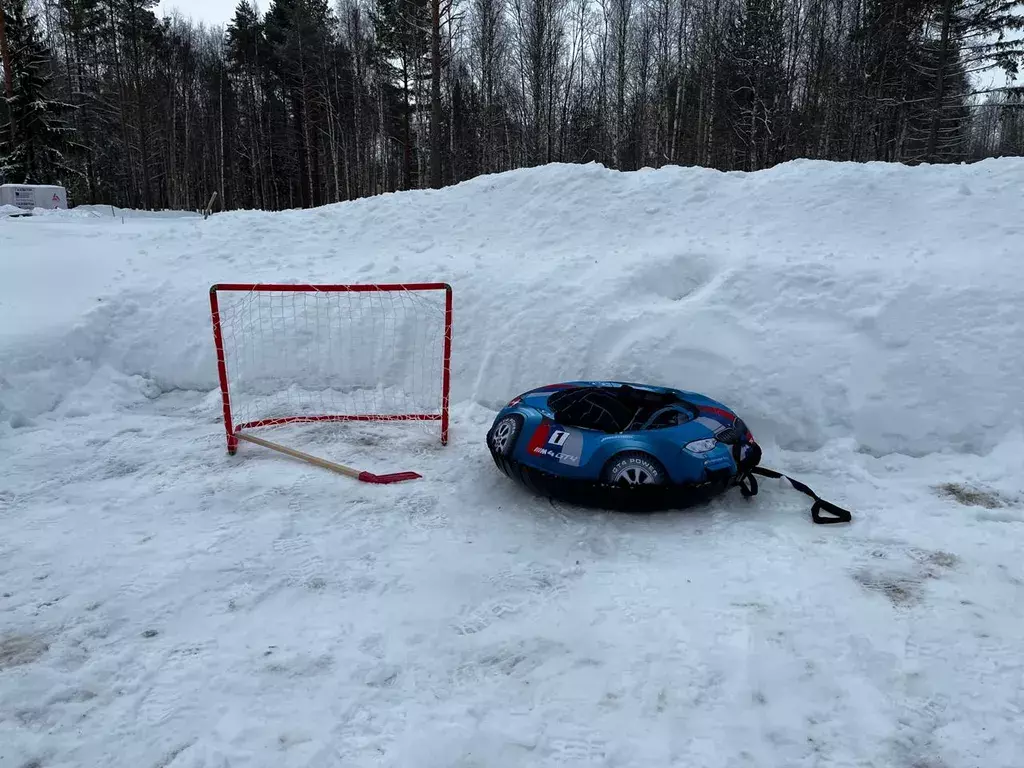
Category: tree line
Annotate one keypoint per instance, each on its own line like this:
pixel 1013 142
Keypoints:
pixel 309 103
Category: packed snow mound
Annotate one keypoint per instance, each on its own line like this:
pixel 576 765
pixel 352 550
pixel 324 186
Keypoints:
pixel 113 212
pixel 165 603
pixel 822 300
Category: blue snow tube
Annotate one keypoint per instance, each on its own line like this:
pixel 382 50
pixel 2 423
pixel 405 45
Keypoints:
pixel 631 447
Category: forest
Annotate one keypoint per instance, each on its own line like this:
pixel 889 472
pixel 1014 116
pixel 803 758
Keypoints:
pixel 305 103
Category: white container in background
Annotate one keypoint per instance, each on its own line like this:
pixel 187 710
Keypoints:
pixel 31 196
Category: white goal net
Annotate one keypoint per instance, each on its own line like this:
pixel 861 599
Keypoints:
pixel 290 354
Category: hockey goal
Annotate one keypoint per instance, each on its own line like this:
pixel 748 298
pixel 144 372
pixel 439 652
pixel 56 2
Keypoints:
pixel 289 354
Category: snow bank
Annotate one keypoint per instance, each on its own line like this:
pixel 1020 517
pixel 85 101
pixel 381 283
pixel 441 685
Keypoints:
pixel 114 212
pixel 823 300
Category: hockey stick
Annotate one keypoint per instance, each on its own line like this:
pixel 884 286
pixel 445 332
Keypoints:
pixel 366 477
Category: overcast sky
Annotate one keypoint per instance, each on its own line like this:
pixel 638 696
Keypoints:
pixel 210 11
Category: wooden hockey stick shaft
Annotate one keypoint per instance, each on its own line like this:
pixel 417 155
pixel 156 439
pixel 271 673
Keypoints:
pixel 366 477
pixel 334 467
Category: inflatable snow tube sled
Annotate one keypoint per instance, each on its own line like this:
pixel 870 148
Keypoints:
pixel 631 447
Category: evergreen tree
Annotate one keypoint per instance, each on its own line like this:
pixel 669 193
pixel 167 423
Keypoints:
pixel 296 31
pixel 8 81
pixel 969 37
pixel 757 91
pixel 987 33
pixel 36 141
pixel 938 120
pixel 1011 123
pixel 78 43
pixel 248 58
pixel 402 29
pixel 322 100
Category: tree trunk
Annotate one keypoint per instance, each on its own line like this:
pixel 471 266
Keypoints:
pixel 223 196
pixel 435 94
pixel 940 86
pixel 5 58
pixel 407 128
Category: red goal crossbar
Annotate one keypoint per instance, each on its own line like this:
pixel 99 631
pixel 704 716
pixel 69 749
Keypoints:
pixel 233 429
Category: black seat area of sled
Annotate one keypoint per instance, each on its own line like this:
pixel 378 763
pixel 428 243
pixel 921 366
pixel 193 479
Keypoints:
pixel 608 409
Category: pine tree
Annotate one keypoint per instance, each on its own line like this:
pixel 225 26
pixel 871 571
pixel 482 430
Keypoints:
pixel 402 29
pixel 248 56
pixel 938 128
pixel 77 41
pixel 36 141
pixel 323 100
pixel 5 64
pixel 980 27
pixel 963 37
pixel 756 83
pixel 296 31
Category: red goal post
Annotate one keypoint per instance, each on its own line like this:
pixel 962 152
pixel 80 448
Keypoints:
pixel 290 354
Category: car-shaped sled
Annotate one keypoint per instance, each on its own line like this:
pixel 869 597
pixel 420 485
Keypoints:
pixel 618 444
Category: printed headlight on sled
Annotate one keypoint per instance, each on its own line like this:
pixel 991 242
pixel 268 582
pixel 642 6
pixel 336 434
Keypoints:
pixel 702 446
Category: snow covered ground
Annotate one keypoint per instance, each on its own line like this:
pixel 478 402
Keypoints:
pixel 164 604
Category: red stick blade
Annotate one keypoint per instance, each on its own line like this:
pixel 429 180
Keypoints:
pixel 394 477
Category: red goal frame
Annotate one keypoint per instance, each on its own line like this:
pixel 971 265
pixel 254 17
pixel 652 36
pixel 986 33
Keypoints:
pixel 218 338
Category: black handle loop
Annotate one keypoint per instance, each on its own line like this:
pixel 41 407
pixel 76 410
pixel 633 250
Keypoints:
pixel 748 485
pixel 836 513
pixel 840 515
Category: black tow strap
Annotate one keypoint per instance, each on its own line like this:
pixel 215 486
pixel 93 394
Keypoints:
pixel 748 487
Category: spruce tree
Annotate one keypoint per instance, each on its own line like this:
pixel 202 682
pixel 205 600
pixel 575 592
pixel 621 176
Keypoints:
pixel 402 29
pixel 5 64
pixel 756 92
pixel 81 47
pixel 247 57
pixel 36 141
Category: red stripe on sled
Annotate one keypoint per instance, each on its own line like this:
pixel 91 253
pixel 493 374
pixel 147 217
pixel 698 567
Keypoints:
pixel 718 412
pixel 540 436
